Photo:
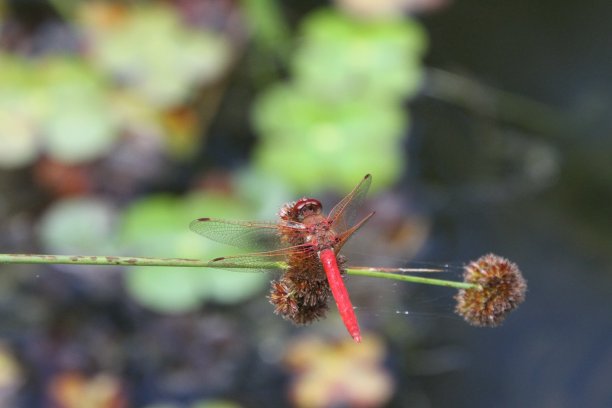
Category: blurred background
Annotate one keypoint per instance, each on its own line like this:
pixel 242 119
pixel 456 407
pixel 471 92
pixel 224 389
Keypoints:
pixel 485 127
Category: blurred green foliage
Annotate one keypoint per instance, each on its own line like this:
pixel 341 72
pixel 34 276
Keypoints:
pixel 158 225
pixel 340 58
pixel 269 29
pixel 79 124
pixel 154 226
pixel 216 404
pixel 199 404
pixel 57 104
pixel 155 54
pixel 81 225
pixel 313 144
pixel 136 65
pixel 341 113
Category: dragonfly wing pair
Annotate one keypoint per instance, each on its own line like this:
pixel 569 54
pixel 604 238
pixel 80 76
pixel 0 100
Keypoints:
pixel 260 236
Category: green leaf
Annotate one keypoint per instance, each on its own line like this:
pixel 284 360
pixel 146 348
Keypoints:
pixel 152 52
pixel 340 58
pixel 18 141
pixel 224 286
pixel 79 226
pixel 19 144
pixel 312 144
pixel 168 290
pixel 78 124
pixel 159 226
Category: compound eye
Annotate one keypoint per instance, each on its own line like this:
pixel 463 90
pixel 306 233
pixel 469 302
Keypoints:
pixel 306 207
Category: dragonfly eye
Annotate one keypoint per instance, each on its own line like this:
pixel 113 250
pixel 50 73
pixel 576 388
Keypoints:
pixel 307 206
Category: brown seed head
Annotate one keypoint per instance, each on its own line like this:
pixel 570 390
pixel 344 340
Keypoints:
pixel 503 290
pixel 301 301
pixel 282 298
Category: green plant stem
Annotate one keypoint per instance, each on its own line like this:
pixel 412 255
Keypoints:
pixel 65 8
pixel 495 103
pixel 377 273
pixel 385 273
pixel 120 260
pixel 269 28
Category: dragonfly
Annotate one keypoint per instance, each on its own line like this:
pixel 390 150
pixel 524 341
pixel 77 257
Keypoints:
pixel 305 244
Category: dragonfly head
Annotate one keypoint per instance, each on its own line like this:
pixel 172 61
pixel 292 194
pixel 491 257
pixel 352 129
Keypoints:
pixel 305 207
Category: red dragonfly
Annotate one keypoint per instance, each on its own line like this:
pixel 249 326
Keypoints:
pixel 307 243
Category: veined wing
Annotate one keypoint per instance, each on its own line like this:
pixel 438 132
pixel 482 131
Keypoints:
pixel 343 214
pixel 349 232
pixel 259 261
pixel 242 234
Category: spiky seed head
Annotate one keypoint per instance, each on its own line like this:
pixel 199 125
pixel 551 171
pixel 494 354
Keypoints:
pixel 503 290
pixel 282 298
pixel 301 301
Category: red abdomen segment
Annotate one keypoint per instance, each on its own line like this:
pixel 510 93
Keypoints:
pixel 336 284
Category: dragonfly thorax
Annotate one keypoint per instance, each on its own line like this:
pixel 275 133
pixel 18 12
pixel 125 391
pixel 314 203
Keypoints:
pixel 320 234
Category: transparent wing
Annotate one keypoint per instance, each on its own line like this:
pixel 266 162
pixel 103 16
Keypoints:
pixel 343 215
pixel 347 234
pixel 261 261
pixel 242 234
